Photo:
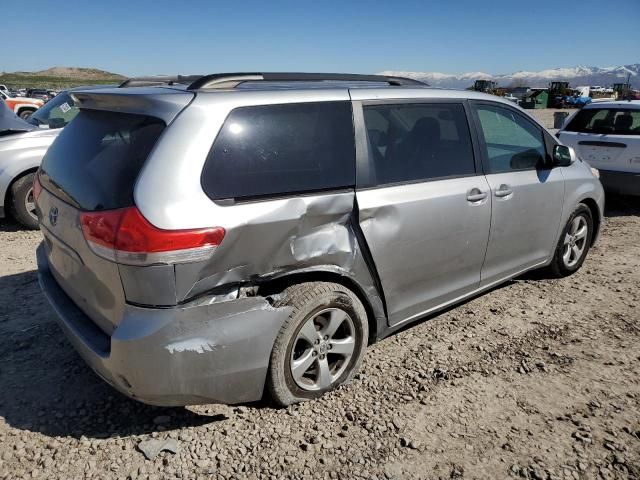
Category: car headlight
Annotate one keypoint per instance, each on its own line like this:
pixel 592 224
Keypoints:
pixel 595 172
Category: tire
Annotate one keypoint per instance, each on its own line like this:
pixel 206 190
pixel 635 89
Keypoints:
pixel 25 114
pixel 316 307
pixel 561 265
pixel 20 203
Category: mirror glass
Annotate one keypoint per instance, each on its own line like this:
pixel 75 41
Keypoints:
pixel 562 155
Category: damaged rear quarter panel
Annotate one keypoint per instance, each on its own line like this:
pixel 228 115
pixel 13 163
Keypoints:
pixel 293 234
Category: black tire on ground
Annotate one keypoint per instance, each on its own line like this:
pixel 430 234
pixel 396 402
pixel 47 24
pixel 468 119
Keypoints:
pixel 21 189
pixel 315 302
pixel 24 114
pixel 559 266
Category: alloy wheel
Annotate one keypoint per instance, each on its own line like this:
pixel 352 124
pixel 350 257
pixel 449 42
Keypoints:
pixel 30 203
pixel 575 241
pixel 322 349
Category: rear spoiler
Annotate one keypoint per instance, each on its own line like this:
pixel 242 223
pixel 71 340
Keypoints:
pixel 164 104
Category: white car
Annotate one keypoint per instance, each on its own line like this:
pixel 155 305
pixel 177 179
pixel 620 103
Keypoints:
pixel 607 136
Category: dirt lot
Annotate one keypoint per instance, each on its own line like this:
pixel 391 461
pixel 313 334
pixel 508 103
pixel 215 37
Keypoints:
pixel 536 379
pixel 545 115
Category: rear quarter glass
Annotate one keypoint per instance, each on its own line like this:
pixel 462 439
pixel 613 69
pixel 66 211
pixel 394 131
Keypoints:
pixel 94 162
pixel 272 150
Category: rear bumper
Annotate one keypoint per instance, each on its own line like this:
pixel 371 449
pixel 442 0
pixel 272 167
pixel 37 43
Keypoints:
pixel 623 183
pixel 192 354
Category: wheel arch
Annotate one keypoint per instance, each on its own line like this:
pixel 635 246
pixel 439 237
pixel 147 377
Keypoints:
pixel 21 108
pixel 7 194
pixel 281 282
pixel 592 205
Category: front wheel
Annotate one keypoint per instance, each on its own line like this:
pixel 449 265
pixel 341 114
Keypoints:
pixel 574 243
pixel 320 345
pixel 25 114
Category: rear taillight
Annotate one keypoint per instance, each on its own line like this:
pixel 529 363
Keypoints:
pixel 37 188
pixel 125 236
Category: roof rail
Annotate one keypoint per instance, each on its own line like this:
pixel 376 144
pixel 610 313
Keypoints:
pixel 232 80
pixel 159 80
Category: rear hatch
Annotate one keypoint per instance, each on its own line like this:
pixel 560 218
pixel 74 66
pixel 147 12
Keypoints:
pixel 91 167
pixel 607 138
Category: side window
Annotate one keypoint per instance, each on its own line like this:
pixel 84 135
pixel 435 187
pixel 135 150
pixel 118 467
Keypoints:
pixel 512 142
pixel 272 150
pixel 418 141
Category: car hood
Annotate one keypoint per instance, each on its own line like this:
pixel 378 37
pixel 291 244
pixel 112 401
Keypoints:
pixel 10 122
pixel 12 139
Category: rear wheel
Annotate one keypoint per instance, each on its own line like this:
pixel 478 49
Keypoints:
pixel 22 204
pixel 574 243
pixel 320 345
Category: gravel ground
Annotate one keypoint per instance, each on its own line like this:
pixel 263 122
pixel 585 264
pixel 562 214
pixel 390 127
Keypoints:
pixel 536 379
pixel 545 115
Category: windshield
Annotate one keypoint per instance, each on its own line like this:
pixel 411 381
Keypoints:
pixel 56 113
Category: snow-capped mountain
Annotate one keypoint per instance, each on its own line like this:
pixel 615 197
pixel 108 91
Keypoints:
pixel 576 76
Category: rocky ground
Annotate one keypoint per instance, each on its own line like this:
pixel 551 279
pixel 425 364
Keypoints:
pixel 536 379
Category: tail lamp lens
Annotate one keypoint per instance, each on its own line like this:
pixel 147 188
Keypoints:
pixel 125 236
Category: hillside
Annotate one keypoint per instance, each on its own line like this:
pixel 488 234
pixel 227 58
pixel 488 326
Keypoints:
pixel 576 76
pixel 59 77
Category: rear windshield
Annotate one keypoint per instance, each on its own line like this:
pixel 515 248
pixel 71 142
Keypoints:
pixel 94 162
pixel 274 150
pixel 606 121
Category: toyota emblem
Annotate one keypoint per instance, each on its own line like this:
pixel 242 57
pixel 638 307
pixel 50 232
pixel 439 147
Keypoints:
pixel 53 215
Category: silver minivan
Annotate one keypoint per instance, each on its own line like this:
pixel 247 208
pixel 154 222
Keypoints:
pixel 248 235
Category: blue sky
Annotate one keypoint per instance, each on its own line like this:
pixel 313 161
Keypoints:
pixel 196 36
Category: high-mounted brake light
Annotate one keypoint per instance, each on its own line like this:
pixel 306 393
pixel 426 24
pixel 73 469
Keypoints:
pixel 125 236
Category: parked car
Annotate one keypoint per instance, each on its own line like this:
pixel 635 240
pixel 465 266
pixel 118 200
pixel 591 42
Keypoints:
pixel 250 234
pixel 21 151
pixel 39 93
pixel 607 136
pixel 21 106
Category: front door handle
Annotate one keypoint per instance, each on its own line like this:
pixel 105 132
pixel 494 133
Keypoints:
pixel 475 195
pixel 503 191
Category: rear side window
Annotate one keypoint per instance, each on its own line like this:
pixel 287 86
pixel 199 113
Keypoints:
pixel 416 142
pixel 273 150
pixel 606 121
pixel 94 162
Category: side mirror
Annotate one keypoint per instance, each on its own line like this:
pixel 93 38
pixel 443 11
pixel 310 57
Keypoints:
pixel 563 156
